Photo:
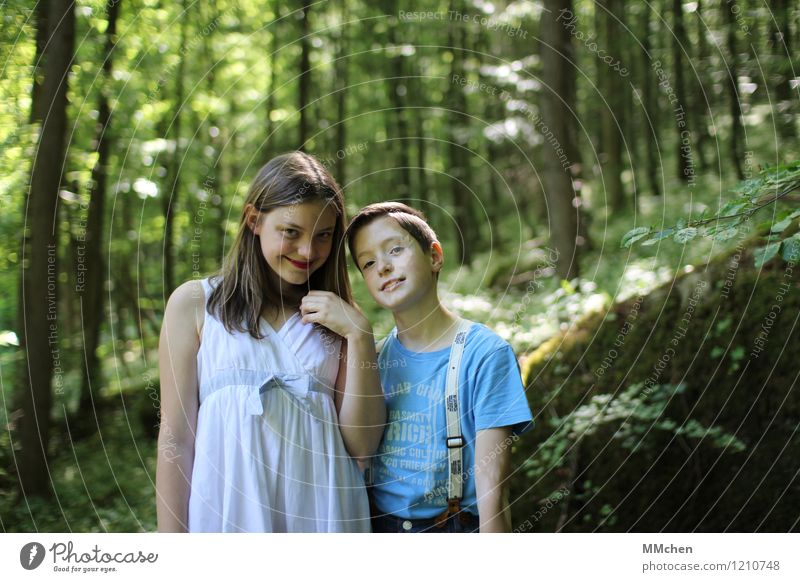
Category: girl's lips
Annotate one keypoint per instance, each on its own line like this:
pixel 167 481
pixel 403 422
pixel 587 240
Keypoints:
pixel 299 264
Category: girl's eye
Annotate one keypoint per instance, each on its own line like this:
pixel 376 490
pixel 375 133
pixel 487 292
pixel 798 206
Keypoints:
pixel 325 235
pixel 367 265
pixel 396 250
pixel 290 232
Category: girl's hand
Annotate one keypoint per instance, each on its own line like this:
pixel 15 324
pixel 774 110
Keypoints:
pixel 330 310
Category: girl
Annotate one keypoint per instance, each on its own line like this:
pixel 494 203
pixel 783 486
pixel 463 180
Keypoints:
pixel 263 410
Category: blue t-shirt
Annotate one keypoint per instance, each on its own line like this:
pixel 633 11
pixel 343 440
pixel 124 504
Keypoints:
pixel 410 466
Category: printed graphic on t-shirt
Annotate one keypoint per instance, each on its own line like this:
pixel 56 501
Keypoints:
pixel 413 425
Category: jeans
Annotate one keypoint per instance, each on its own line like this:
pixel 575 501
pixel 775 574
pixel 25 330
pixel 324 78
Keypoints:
pixel 463 522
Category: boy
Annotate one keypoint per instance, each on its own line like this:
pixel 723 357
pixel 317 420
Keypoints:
pixel 430 474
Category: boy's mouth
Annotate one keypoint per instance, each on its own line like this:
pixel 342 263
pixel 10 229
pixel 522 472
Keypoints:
pixel 299 264
pixel 392 283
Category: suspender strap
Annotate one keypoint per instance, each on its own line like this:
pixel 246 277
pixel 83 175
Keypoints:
pixel 455 440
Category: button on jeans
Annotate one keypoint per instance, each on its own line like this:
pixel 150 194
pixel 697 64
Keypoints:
pixel 463 522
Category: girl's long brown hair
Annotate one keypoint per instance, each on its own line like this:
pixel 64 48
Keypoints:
pixel 243 287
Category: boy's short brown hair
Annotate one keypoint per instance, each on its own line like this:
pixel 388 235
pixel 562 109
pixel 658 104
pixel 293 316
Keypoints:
pixel 409 219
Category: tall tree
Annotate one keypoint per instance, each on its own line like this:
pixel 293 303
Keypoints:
pixel 304 90
pixel 466 231
pixel 171 196
pixel 733 91
pixel 781 49
pixel 342 82
pixel 492 113
pixel 91 293
pixel 398 88
pixel 268 148
pixel 419 129
pixel 557 58
pixel 39 335
pixel 700 102
pixel 36 116
pixel 41 41
pixel 612 93
pixel 681 108
pixel 649 106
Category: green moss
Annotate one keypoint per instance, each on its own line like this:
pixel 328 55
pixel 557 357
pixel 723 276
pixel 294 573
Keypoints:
pixel 718 455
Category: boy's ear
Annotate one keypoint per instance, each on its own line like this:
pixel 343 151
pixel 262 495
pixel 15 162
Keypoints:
pixel 437 256
pixel 251 215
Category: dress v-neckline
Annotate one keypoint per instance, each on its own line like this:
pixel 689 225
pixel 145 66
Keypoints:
pixel 283 328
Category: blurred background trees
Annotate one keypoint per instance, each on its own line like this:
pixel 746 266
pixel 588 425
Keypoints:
pixel 533 134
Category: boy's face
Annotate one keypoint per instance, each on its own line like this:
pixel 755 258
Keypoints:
pixel 399 275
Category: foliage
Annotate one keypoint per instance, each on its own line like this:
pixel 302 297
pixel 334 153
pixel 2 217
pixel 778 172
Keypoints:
pixel 773 185
pixel 653 413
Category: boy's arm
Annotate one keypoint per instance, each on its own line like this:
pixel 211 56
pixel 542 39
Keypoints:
pixel 492 469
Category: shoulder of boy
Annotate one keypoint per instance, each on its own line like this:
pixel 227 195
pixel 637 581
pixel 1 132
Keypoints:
pixel 485 341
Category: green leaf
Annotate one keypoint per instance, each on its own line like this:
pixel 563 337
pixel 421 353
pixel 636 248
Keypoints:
pixel 766 253
pixel 791 249
pixel 633 235
pixel 732 208
pixel 727 233
pixel 661 234
pixel 782 225
pixel 684 235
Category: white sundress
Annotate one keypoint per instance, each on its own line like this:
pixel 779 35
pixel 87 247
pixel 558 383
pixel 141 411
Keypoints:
pixel 269 456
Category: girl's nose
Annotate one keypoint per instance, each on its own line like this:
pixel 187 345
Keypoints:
pixel 304 250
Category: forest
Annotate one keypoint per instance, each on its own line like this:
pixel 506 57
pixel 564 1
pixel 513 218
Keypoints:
pixel 615 185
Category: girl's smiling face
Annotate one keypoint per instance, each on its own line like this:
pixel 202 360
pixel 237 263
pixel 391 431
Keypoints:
pixel 295 240
pixel 397 272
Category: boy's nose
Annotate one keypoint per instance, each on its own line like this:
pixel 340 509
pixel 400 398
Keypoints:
pixel 384 267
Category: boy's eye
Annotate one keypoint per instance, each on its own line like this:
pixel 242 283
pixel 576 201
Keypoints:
pixel 396 250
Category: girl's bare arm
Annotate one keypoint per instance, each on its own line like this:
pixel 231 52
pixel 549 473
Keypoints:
pixel 177 355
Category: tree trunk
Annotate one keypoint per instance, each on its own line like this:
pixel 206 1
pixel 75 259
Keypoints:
pixel 304 92
pixel 782 54
pixel 341 99
pixel 700 104
pixel 38 63
pixel 733 93
pixel 268 149
pixel 559 115
pixel 612 92
pixel 649 105
pixel 492 113
pixel 35 117
pixel 39 335
pixel 680 109
pixel 171 196
pixel 90 294
pixel 466 232
pixel 419 128
pixel 398 88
